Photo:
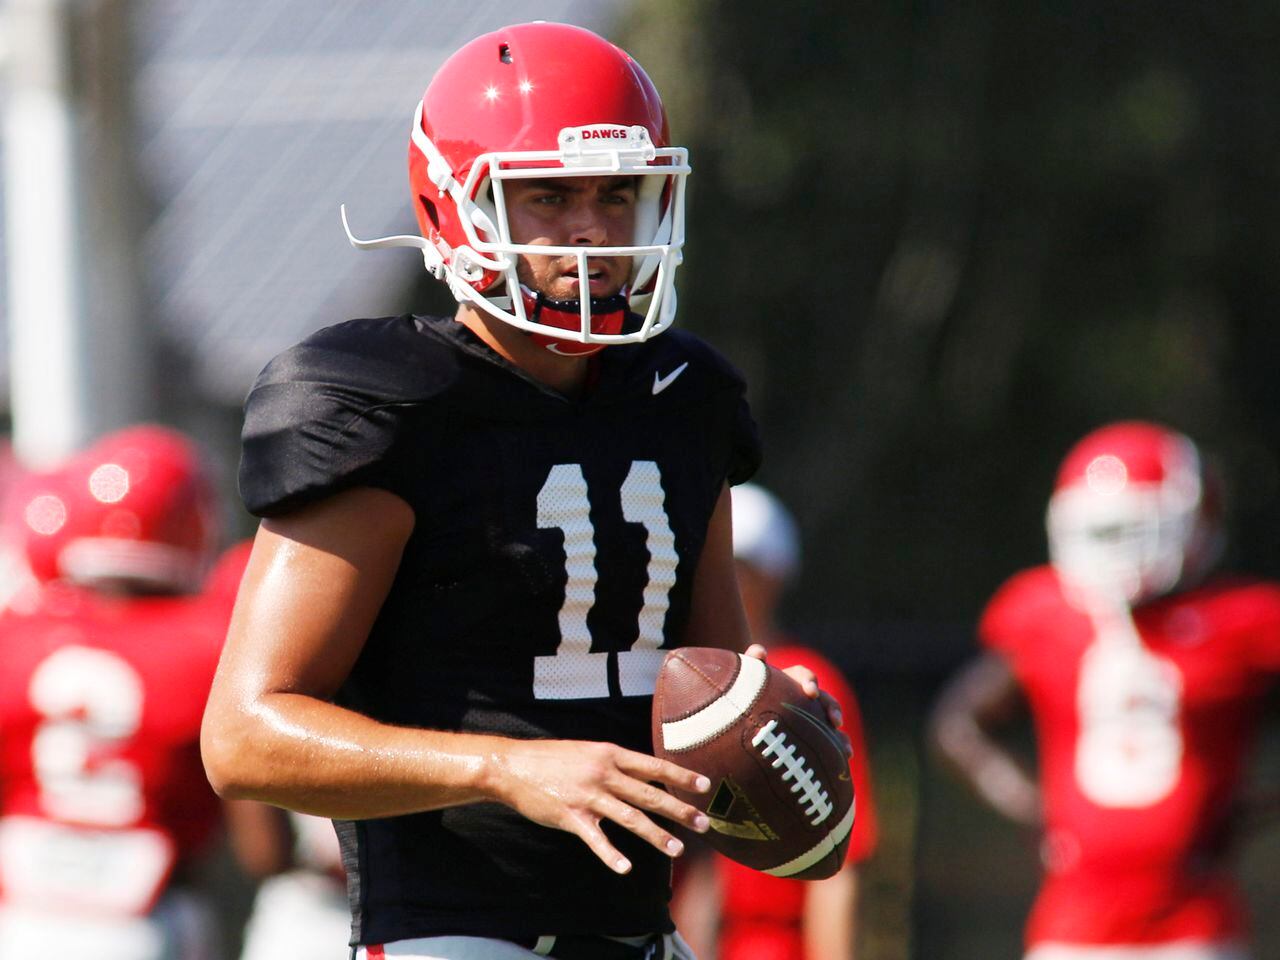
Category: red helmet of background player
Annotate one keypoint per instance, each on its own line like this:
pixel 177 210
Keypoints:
pixel 541 100
pixel 135 508
pixel 1134 514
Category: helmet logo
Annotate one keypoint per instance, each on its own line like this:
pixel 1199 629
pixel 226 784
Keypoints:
pixel 109 483
pixel 1106 474
pixel 46 514
pixel 619 144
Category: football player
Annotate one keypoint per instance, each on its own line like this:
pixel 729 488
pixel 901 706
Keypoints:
pixel 482 531
pixel 1143 675
pixel 104 807
pixel 750 915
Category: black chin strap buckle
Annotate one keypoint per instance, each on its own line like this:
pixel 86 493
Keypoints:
pixel 599 306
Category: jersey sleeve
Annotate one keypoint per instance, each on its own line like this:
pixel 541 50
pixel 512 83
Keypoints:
pixel 321 419
pixel 1261 636
pixel 1007 624
pixel 746 451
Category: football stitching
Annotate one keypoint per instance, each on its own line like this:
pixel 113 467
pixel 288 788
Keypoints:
pixel 715 718
pixel 706 679
pixel 812 794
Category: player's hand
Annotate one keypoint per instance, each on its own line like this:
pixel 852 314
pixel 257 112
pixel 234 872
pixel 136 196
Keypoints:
pixel 573 785
pixel 809 684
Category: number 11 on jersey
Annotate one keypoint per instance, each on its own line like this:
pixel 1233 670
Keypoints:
pixel 574 672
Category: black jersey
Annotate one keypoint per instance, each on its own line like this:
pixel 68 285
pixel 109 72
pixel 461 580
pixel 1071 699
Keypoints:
pixel 550 564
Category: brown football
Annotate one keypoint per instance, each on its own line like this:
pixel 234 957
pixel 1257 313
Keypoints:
pixel 781 797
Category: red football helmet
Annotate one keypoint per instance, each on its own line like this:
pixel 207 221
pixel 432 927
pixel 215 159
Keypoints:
pixel 534 101
pixel 135 508
pixel 1133 515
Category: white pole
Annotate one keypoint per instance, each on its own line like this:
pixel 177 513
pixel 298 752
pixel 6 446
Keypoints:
pixel 46 296
pixel 79 357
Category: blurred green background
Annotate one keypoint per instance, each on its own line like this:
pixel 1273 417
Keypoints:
pixel 944 240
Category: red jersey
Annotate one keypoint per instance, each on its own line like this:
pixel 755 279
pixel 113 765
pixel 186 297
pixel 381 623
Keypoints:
pixel 223 582
pixel 1144 725
pixel 762 914
pixel 102 791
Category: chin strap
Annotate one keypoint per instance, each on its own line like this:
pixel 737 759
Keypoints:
pixel 607 317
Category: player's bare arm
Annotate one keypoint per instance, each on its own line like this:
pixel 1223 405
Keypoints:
pixel 716 617
pixel 830 916
pixel 259 837
pixel 983 697
pixel 312 590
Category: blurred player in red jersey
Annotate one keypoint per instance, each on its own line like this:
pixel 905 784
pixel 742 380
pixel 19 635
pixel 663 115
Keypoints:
pixel 13 565
pixel 731 912
pixel 1143 675
pixel 107 665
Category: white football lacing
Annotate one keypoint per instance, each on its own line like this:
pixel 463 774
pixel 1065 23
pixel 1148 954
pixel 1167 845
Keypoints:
pixel 819 806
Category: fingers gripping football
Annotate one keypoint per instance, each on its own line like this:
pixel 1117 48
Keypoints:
pixel 574 785
pixel 782 797
pixel 808 681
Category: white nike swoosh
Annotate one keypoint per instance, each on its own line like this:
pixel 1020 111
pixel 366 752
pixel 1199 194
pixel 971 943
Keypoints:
pixel 661 383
